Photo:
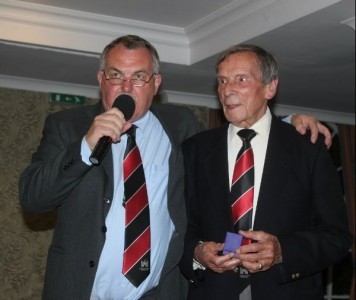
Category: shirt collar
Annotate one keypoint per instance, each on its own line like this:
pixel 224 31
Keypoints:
pixel 142 123
pixel 262 126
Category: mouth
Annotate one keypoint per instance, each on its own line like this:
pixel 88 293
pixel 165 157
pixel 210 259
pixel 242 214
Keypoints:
pixel 231 106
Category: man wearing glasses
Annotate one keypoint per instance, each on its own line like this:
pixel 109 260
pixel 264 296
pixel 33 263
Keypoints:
pixel 86 258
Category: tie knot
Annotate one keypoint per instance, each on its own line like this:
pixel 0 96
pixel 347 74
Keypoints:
pixel 246 134
pixel 132 131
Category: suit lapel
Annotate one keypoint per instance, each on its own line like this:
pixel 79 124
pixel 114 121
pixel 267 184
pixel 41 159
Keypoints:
pixel 216 166
pixel 217 174
pixel 176 174
pixel 169 124
pixel 275 173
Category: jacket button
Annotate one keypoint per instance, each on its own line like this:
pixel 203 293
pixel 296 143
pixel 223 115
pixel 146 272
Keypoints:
pixel 104 229
pixel 107 200
pixel 91 264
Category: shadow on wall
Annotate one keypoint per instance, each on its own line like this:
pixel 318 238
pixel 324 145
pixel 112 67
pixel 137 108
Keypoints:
pixel 40 222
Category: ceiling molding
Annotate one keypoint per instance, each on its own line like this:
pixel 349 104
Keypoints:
pixel 190 99
pixel 54 27
pixel 321 115
pixel 350 22
pixel 244 20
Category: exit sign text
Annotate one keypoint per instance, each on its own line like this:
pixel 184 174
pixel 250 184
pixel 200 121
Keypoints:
pixel 68 99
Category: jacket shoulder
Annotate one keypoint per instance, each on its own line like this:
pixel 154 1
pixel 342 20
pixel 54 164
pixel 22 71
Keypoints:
pixel 206 141
pixel 76 112
pixel 173 111
pixel 179 121
pixel 288 135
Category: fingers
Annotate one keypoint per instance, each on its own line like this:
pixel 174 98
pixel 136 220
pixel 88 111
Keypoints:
pixel 254 267
pixel 326 132
pixel 208 255
pixel 313 132
pixel 110 123
pixel 304 122
pixel 262 254
pixel 298 123
pixel 258 256
pixel 260 267
pixel 317 128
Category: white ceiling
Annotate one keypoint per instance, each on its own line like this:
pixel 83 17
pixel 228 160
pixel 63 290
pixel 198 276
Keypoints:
pixel 53 45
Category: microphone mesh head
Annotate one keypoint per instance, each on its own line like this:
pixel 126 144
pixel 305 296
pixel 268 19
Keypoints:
pixel 126 104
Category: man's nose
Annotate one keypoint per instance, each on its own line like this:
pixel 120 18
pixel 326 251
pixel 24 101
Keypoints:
pixel 127 85
pixel 228 87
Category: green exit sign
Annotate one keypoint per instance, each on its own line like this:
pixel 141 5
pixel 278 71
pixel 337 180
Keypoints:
pixel 68 99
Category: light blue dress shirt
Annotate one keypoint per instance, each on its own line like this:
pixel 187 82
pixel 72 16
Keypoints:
pixel 155 149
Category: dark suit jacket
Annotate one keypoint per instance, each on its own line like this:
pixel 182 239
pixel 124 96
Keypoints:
pixel 300 202
pixel 57 178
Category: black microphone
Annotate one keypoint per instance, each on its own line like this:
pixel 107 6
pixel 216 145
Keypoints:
pixel 126 104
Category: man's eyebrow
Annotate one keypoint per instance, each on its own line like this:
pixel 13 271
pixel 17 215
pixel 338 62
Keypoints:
pixel 114 69
pixel 140 71
pixel 135 72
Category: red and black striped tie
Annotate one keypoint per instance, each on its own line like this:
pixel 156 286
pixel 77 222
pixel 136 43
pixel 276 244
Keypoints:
pixel 242 185
pixel 241 198
pixel 136 263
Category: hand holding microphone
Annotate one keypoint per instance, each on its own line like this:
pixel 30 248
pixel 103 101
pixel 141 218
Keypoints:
pixel 126 105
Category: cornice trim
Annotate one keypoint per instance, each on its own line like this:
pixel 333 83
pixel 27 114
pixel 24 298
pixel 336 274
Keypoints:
pixel 350 22
pixel 243 20
pixel 54 27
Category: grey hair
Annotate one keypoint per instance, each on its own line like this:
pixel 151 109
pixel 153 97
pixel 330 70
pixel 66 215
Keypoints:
pixel 131 42
pixel 267 62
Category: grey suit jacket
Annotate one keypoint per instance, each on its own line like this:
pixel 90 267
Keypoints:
pixel 58 178
pixel 300 201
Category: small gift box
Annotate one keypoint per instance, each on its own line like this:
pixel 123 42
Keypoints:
pixel 233 241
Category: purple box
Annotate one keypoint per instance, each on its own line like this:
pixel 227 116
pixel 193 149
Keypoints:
pixel 232 242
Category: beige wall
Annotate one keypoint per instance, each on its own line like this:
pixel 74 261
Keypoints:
pixel 24 238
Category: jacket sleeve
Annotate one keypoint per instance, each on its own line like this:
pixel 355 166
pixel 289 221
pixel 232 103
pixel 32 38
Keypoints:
pixel 192 236
pixel 56 168
pixel 327 239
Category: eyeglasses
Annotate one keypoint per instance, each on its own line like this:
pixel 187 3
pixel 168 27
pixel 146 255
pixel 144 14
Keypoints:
pixel 138 79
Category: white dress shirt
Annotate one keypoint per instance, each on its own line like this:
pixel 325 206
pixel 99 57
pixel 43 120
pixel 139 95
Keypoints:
pixel 259 146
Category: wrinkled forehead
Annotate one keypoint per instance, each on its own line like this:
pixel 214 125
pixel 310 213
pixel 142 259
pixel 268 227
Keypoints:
pixel 239 62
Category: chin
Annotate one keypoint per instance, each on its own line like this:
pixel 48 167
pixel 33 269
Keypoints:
pixel 233 119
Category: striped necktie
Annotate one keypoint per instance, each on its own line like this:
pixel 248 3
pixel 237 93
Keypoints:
pixel 241 199
pixel 136 263
pixel 241 195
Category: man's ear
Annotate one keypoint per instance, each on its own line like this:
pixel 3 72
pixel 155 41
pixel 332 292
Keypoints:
pixel 99 76
pixel 271 89
pixel 158 80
